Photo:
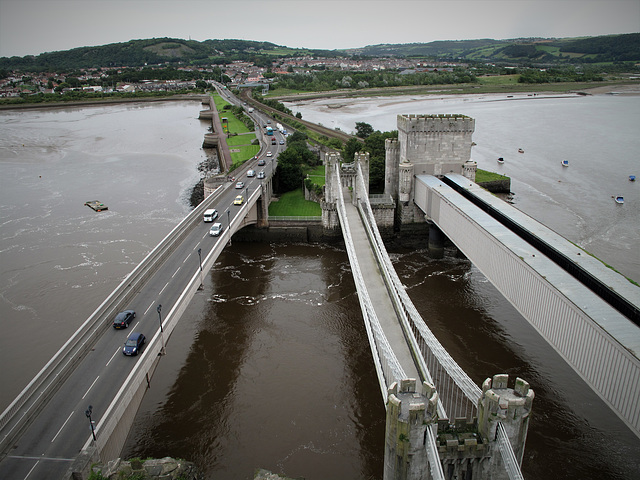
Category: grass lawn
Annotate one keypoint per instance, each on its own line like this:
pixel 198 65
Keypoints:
pixel 293 204
pixel 241 139
pixel 484 176
pixel 317 175
pixel 246 152
pixel 499 80
pixel 219 101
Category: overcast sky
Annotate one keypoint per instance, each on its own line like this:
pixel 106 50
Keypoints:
pixel 31 27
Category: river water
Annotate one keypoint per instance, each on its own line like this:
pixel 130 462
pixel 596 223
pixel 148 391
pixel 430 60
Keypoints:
pixel 270 365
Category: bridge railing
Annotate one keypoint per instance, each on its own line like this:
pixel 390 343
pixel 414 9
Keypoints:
pixel 114 425
pixel 458 393
pixel 387 366
pixel 44 385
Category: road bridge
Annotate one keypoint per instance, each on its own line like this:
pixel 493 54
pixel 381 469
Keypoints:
pixel 45 427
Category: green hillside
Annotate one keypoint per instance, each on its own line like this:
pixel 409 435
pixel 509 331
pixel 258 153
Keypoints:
pixel 608 48
pixel 172 51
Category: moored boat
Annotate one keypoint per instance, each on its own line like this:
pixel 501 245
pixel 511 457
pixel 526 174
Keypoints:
pixel 632 178
pixel 619 199
pixel 565 163
pixel 500 160
pixel 520 150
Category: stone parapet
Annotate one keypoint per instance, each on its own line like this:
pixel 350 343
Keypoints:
pixel 436 123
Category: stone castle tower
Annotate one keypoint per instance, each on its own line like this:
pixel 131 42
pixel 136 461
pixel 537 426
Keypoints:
pixel 426 145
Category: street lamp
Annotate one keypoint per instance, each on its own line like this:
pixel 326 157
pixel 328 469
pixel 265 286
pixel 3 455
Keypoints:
pixel 159 309
pixel 88 414
pixel 200 257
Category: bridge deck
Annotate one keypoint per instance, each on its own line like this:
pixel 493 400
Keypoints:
pixel 378 292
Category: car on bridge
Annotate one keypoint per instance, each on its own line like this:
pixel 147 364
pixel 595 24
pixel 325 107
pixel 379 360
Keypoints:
pixel 251 173
pixel 123 319
pixel 261 162
pixel 133 345
pixel 260 174
pixel 240 185
pixel 269 154
pixel 216 229
pixel 239 200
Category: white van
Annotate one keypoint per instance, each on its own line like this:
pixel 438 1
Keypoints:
pixel 210 215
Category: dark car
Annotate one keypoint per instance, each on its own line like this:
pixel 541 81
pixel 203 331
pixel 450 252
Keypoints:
pixel 123 319
pixel 133 345
pixel 261 162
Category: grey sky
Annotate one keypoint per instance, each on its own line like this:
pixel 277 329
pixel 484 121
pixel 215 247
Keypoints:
pixel 30 27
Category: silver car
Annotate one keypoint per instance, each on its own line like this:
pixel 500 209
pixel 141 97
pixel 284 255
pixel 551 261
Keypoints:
pixel 216 229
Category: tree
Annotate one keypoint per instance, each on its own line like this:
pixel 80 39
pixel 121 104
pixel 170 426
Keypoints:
pixel 363 130
pixel 299 115
pixel 350 148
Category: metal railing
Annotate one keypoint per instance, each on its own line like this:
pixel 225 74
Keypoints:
pixel 431 446
pixel 508 457
pixel 387 366
pixel 44 385
pixel 457 392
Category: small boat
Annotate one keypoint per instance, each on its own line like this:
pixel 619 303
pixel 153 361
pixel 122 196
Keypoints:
pixel 520 150
pixel 500 160
pixel 97 205
pixel 565 163
pixel 618 199
pixel 632 178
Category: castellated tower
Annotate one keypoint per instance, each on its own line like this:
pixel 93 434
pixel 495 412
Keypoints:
pixel 511 408
pixel 426 145
pixel 435 144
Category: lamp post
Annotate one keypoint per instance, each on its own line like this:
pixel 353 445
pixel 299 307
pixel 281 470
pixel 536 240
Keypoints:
pixel 88 414
pixel 159 309
pixel 200 257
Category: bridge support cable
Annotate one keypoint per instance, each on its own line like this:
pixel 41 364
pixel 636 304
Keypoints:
pixel 458 393
pixel 511 465
pixel 387 366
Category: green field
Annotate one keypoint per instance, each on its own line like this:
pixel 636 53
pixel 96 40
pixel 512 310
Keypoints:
pixel 317 175
pixel 245 139
pixel 293 204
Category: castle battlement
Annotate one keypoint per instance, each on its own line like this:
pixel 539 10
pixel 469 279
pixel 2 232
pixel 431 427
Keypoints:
pixel 435 123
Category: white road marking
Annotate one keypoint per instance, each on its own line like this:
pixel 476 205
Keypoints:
pixel 174 274
pixel 65 422
pixel 94 382
pixel 167 284
pixel 112 356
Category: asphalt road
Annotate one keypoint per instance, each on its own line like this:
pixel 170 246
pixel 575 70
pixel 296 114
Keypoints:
pixel 60 430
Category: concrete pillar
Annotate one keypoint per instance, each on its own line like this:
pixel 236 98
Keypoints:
pixel 409 414
pixel 436 241
pixel 509 406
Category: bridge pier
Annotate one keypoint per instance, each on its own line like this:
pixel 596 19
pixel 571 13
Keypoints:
pixel 436 241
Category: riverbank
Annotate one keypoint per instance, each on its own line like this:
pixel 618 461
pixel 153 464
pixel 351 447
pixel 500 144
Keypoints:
pixel 625 87
pixel 104 101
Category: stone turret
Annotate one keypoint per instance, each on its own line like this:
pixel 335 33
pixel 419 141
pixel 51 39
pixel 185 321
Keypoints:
pixel 409 414
pixel 391 162
pixel 509 406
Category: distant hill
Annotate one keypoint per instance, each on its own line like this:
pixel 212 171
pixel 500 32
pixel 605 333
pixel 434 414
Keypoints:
pixel 607 48
pixel 136 53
